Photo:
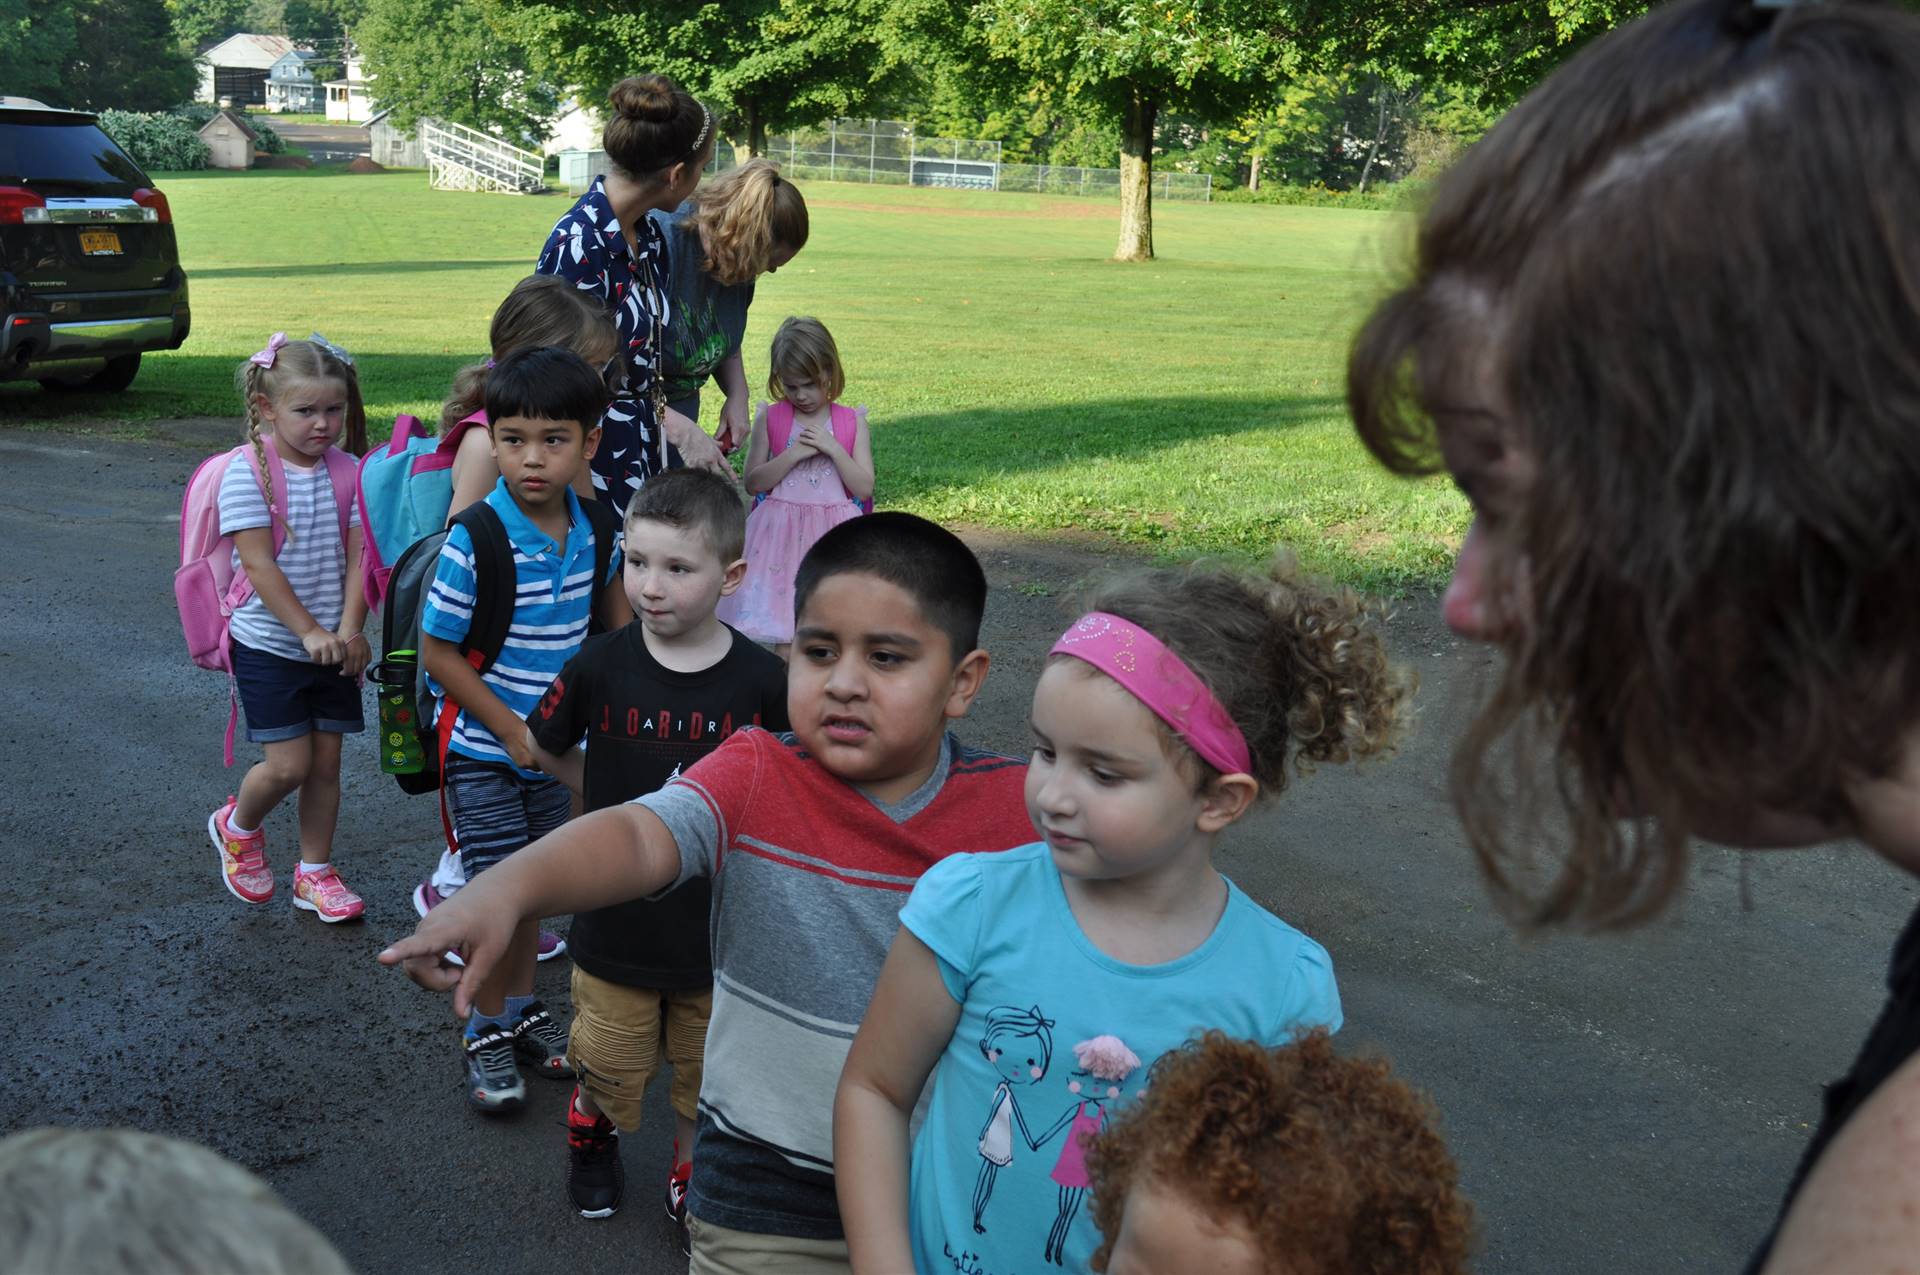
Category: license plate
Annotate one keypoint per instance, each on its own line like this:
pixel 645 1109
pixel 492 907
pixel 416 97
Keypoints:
pixel 100 243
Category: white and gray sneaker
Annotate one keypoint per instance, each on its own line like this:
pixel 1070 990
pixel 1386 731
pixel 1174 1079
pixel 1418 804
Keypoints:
pixel 494 1084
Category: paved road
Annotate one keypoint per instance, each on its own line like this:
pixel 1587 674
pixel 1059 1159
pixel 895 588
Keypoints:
pixel 1617 1105
pixel 326 142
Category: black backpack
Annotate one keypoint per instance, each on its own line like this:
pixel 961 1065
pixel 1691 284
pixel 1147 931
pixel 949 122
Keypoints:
pixel 495 588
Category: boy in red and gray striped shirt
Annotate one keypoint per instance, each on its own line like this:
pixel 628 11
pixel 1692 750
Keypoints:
pixel 813 840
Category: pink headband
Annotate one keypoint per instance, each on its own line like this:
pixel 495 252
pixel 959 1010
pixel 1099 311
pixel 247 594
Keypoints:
pixel 1161 680
pixel 266 357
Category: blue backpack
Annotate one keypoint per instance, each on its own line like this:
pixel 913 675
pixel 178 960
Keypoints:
pixel 405 490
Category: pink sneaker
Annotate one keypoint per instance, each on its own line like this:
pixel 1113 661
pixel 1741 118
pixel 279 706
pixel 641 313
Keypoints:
pixel 325 893
pixel 243 860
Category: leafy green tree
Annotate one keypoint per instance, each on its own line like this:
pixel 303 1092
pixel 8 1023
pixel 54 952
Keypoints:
pixel 202 23
pixel 1136 59
pixel 36 39
pixel 125 55
pixel 472 69
pixel 763 64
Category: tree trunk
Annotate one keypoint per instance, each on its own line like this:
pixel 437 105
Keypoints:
pixel 1136 181
pixel 1379 132
pixel 1253 173
pixel 756 131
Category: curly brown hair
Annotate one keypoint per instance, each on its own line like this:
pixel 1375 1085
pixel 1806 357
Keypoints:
pixel 1680 264
pixel 1331 1165
pixel 744 217
pixel 1295 664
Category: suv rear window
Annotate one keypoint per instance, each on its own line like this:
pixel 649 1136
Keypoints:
pixel 67 154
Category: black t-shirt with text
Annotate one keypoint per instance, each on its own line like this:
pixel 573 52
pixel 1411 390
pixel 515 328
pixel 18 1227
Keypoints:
pixel 644 723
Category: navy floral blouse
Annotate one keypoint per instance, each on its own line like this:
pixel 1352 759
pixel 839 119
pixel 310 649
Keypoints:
pixel 588 250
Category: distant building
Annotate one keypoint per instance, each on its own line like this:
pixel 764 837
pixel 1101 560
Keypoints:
pixel 391 148
pixel 578 128
pixel 290 83
pixel 236 69
pixel 348 101
pixel 229 141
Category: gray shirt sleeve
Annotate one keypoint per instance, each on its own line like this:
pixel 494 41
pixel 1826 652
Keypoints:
pixel 695 828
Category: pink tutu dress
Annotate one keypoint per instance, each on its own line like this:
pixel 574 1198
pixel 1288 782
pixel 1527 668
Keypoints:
pixel 806 504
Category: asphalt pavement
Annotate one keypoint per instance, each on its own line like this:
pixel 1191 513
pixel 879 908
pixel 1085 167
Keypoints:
pixel 1616 1104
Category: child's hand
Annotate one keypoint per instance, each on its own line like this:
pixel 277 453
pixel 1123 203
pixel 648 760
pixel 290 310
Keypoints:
pixel 359 652
pixel 324 647
pixel 820 438
pixel 520 747
pixel 462 924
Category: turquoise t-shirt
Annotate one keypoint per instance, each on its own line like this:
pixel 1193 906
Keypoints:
pixel 1054 1035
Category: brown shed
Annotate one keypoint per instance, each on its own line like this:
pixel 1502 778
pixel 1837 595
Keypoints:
pixel 229 141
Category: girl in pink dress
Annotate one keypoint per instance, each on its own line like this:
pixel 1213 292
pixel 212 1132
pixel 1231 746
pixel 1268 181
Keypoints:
pixel 810 468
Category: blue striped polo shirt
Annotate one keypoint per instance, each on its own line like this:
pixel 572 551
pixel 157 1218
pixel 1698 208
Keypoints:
pixel 553 602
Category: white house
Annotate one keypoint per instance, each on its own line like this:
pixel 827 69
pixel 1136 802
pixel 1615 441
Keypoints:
pixel 348 101
pixel 236 68
pixel 290 83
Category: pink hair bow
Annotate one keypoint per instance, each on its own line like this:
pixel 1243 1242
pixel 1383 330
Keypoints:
pixel 266 357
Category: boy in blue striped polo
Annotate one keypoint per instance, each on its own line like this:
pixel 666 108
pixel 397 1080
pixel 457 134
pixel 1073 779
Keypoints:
pixel 542 405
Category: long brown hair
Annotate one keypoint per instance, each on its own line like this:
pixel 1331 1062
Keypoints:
pixel 1690 266
pixel 541 310
pixel 746 215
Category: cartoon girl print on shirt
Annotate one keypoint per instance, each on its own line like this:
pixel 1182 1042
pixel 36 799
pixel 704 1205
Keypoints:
pixel 1105 1062
pixel 1018 1044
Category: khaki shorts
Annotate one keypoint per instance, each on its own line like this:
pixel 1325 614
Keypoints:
pixel 719 1251
pixel 618 1039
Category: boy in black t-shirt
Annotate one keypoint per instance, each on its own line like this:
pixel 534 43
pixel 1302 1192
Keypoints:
pixel 651 699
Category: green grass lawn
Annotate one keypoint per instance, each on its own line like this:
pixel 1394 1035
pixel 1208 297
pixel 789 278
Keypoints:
pixel 1017 378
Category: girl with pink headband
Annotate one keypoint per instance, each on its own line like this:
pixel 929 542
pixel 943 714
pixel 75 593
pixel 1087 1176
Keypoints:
pixel 1164 713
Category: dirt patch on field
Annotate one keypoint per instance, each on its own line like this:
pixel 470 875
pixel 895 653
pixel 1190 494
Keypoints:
pixel 365 165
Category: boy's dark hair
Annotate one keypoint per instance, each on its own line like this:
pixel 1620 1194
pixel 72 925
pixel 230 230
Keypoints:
pixel 1679 264
pixel 1330 1164
pixel 1297 665
pixel 930 563
pixel 697 500
pixel 546 383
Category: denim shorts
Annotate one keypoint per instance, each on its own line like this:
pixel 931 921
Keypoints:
pixel 285 699
pixel 495 810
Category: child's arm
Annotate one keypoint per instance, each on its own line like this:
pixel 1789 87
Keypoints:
pixel 463 685
pixel 856 468
pixel 608 857
pixel 474 470
pixel 570 767
pixel 356 650
pixel 256 557
pixel 909 1021
pixel 763 472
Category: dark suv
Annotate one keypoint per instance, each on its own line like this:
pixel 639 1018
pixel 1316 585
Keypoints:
pixel 89 273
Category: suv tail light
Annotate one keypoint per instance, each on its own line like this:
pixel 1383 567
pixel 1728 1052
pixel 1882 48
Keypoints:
pixel 18 204
pixel 147 197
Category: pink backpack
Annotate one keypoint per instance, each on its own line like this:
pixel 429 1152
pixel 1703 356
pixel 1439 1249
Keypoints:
pixel 207 588
pixel 846 428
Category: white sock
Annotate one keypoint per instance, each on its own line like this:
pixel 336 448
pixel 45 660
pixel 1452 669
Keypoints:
pixel 449 875
pixel 233 826
pixel 308 869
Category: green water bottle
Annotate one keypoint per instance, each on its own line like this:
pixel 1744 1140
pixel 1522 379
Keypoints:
pixel 395 677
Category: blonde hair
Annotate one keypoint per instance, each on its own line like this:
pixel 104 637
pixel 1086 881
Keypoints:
pixel 117 1202
pixel 804 346
pixel 542 309
pixel 299 363
pixel 744 217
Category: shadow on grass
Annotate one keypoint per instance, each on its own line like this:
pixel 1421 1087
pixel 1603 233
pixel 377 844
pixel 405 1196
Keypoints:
pixel 354 267
pixel 926 452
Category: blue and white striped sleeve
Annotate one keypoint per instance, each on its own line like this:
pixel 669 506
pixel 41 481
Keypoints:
pixel 448 613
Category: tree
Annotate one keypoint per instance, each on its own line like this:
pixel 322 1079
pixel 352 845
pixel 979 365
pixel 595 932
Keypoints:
pixel 125 55
pixel 200 24
pixel 36 39
pixel 762 64
pixel 473 70
pixel 1136 59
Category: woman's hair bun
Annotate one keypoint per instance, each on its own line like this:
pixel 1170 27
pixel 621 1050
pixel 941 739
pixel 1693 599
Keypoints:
pixel 646 97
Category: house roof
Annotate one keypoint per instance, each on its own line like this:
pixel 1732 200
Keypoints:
pixel 251 51
pixel 234 120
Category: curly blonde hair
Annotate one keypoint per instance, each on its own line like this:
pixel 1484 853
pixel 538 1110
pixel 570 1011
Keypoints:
pixel 744 217
pixel 1296 665
pixel 1330 1164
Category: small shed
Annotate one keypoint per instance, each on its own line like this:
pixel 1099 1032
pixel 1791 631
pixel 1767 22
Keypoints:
pixel 391 148
pixel 229 141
